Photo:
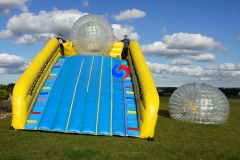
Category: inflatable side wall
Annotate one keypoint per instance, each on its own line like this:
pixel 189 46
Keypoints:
pixel 145 91
pixel 68 49
pixel 28 86
pixel 116 50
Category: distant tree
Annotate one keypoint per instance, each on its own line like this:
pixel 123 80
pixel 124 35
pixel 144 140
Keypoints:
pixel 4 94
pixel 230 91
pixel 8 87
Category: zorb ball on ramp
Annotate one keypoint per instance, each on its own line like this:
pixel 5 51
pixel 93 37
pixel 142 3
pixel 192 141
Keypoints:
pixel 92 34
pixel 200 103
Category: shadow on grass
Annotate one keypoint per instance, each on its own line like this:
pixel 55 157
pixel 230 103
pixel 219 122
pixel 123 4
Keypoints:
pixel 82 153
pixel 163 113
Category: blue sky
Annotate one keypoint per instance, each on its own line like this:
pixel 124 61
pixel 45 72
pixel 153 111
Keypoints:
pixel 183 41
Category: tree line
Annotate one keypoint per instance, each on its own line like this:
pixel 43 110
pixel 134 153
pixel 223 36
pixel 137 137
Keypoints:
pixel 164 91
pixel 8 87
pixel 5 90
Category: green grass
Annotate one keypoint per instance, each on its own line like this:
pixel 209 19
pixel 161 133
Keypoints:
pixel 173 140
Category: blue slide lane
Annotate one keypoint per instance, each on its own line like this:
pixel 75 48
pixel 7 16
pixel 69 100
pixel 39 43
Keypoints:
pixel 105 116
pixel 91 101
pixel 78 108
pixel 56 97
pixel 82 96
pixel 118 107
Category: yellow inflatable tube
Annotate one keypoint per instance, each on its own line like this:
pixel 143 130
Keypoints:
pixel 28 86
pixel 145 91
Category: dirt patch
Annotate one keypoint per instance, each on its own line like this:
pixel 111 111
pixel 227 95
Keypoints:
pixel 5 108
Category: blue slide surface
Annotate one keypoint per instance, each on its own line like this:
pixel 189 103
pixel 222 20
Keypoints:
pixel 81 95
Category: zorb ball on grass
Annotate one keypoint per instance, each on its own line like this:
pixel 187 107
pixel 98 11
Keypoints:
pixel 92 34
pixel 200 103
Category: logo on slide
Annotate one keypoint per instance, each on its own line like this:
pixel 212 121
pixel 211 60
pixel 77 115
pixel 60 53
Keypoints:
pixel 117 71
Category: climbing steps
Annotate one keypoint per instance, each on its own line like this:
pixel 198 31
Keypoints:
pixel 40 104
pixel 130 105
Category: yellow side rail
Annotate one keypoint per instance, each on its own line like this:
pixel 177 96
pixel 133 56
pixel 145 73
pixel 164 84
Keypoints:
pixel 145 91
pixel 28 86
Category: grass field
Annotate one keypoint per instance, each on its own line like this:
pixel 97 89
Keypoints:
pixel 173 140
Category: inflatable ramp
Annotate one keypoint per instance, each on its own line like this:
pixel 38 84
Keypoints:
pixel 82 96
pixel 87 94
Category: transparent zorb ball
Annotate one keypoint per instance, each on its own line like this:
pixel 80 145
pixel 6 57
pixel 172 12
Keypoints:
pixel 200 103
pixel 92 34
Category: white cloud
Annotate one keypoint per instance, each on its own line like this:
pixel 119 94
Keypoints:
pixel 180 62
pixel 239 37
pixel 11 64
pixel 27 39
pixel 85 3
pixel 44 37
pixel 6 34
pixel 231 73
pixel 207 57
pixel 205 79
pixel 191 42
pixel 7 5
pixel 158 68
pixel 225 70
pixel 121 30
pixel 53 22
pixel 211 67
pixel 196 71
pixel 160 49
pixel 164 30
pixel 129 14
pixel 183 44
pixel 229 67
